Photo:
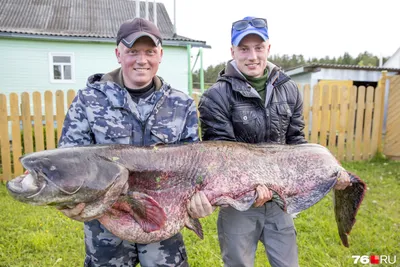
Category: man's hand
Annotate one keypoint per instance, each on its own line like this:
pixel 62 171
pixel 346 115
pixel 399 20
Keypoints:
pixel 73 213
pixel 264 195
pixel 343 181
pixel 199 206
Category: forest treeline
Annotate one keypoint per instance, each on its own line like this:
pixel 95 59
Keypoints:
pixel 287 62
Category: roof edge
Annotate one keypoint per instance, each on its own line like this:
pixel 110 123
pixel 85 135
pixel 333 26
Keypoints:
pixel 313 67
pixel 62 38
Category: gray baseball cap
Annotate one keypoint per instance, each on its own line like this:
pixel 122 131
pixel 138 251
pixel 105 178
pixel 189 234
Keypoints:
pixel 133 29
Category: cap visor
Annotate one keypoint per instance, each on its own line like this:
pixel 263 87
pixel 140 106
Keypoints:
pixel 131 39
pixel 239 38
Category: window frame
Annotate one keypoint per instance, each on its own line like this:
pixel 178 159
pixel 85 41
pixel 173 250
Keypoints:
pixel 51 66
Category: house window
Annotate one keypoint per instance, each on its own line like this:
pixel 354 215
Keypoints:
pixel 61 67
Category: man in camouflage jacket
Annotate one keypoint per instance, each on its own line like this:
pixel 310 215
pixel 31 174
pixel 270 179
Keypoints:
pixel 130 105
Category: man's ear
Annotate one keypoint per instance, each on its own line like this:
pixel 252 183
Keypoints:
pixel 118 55
pixel 232 52
pixel 161 54
pixel 268 49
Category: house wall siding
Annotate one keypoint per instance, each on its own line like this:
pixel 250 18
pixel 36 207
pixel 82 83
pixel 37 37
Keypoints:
pixel 393 61
pixel 354 75
pixel 301 79
pixel 174 67
pixel 25 64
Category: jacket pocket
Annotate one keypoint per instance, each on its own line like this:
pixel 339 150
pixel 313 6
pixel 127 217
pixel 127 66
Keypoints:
pixel 111 131
pixel 285 114
pixel 246 125
pixel 244 116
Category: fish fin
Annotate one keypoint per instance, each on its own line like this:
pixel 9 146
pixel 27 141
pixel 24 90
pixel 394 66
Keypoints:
pixel 195 226
pixel 112 194
pixel 146 211
pixel 304 198
pixel 241 203
pixel 346 205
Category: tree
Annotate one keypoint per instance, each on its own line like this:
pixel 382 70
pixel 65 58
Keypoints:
pixel 287 62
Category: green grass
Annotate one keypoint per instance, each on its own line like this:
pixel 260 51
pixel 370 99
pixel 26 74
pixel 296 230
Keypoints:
pixel 42 236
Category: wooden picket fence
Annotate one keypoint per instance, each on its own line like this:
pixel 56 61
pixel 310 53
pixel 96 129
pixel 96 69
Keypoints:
pixel 392 136
pixel 349 125
pixel 29 132
pixel 347 120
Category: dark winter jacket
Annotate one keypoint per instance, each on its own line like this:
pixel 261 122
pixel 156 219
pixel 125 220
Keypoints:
pixel 233 110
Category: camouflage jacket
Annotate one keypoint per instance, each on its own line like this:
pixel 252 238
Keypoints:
pixel 104 113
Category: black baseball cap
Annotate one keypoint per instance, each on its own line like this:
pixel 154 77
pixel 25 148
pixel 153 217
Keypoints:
pixel 133 29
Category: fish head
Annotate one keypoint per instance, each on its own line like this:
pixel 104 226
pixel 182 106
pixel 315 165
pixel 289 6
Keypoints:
pixel 64 176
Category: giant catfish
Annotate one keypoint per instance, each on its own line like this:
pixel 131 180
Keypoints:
pixel 140 193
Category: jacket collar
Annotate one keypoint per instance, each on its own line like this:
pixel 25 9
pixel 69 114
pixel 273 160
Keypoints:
pixel 117 77
pixel 231 70
pixel 112 85
pixel 240 84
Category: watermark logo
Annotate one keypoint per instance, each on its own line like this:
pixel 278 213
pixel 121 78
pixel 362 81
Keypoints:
pixel 374 259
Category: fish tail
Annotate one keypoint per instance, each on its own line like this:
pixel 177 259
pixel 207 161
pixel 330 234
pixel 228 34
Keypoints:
pixel 347 203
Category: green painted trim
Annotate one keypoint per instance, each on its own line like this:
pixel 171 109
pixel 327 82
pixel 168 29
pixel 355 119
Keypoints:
pixel 195 62
pixel 201 71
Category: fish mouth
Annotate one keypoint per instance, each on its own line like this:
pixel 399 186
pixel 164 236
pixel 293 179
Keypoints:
pixel 28 185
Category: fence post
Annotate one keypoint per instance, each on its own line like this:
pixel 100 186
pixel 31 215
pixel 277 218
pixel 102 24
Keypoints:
pixel 49 117
pixel 16 134
pixel 382 84
pixel 26 122
pixel 391 147
pixel 306 111
pixel 38 121
pixel 316 107
pixel 60 114
pixel 4 140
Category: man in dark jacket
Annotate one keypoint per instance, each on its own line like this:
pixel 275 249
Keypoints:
pixel 252 101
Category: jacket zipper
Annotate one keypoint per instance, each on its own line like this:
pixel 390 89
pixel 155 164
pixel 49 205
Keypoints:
pixel 156 106
pixel 266 117
pixel 268 124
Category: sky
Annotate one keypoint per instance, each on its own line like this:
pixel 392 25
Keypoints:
pixel 308 27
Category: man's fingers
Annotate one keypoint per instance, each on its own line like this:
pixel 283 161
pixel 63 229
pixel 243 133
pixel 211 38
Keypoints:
pixel 73 212
pixel 199 206
pixel 338 185
pixel 264 195
pixel 342 183
pixel 269 194
pixel 77 209
pixel 208 209
pixel 260 194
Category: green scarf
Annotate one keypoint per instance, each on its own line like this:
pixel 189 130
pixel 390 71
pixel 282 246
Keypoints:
pixel 259 83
